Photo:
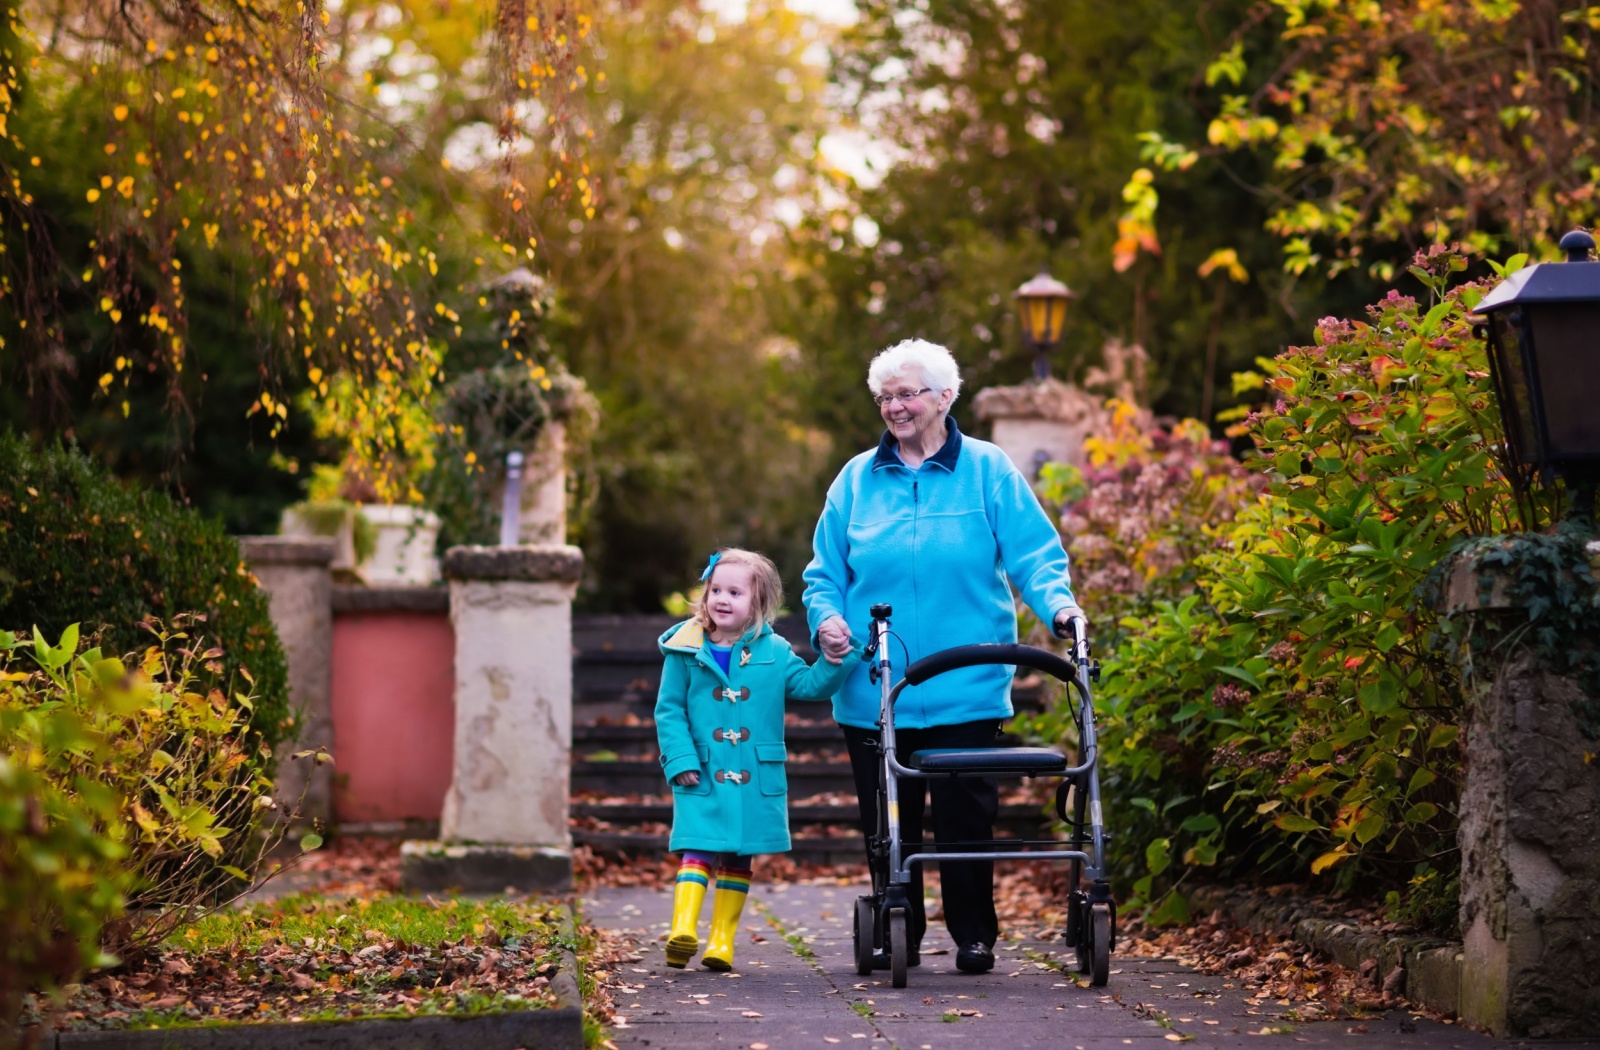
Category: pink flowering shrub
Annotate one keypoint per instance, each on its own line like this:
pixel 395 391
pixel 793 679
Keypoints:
pixel 1151 500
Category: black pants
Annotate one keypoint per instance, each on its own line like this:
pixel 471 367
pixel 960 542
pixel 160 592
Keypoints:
pixel 964 809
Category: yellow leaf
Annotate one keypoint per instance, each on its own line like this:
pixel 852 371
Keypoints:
pixel 1326 861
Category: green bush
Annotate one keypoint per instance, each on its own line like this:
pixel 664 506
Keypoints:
pixel 1295 715
pixel 62 849
pixel 162 764
pixel 77 545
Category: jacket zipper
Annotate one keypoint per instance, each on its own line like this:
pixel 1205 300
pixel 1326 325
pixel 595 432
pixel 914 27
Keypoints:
pixel 916 528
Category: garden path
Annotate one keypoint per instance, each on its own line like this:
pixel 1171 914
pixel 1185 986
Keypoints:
pixel 779 1000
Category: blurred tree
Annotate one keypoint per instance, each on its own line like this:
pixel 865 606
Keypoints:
pixel 1013 128
pixel 706 132
pixel 208 206
pixel 1396 125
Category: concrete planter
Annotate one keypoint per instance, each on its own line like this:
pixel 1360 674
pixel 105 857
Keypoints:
pixel 404 551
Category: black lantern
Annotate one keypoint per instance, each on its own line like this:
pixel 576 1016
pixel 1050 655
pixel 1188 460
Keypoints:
pixel 1543 330
pixel 1042 310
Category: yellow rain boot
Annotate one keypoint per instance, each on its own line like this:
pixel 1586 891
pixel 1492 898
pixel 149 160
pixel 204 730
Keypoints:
pixel 684 940
pixel 732 889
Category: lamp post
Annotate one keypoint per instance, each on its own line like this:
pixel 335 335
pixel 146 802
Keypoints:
pixel 1042 311
pixel 1542 325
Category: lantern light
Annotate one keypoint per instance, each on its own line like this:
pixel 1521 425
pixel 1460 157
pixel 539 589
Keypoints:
pixel 1042 312
pixel 1542 325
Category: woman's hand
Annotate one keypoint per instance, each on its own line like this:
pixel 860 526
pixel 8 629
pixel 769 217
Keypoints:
pixel 688 778
pixel 834 636
pixel 1064 618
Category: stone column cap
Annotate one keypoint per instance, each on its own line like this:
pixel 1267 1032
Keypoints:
pixel 289 550
pixel 535 563
pixel 1048 398
pixel 1479 584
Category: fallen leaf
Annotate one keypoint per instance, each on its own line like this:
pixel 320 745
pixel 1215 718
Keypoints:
pixel 749 1013
pixel 302 981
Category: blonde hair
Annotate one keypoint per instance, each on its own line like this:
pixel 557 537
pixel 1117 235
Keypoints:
pixel 765 585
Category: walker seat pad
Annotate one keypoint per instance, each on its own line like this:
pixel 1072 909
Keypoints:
pixel 995 761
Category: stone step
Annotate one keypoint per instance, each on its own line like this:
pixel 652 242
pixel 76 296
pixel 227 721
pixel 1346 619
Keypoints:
pixel 616 665
pixel 625 777
pixel 645 732
pixel 1010 816
pixel 814 849
pixel 817 849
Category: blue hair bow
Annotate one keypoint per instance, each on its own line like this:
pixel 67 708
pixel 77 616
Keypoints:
pixel 712 564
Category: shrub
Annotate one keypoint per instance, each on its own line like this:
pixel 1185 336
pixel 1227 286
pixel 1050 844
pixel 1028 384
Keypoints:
pixel 1137 519
pixel 76 545
pixel 1150 501
pixel 1294 714
pixel 61 850
pixel 163 762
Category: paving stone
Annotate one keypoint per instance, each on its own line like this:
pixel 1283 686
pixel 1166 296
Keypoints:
pixel 822 1002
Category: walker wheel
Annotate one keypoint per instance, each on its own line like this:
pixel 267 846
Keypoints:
pixel 1099 944
pixel 897 947
pixel 866 923
pixel 1077 937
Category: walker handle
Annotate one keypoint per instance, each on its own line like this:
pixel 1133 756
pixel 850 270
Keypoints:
pixel 1078 632
pixel 973 655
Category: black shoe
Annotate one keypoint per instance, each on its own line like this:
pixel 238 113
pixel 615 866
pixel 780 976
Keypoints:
pixel 880 960
pixel 975 958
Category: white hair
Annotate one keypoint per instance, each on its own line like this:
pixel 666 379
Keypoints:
pixel 938 368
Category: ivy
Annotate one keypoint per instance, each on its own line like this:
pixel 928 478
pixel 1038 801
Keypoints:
pixel 1535 591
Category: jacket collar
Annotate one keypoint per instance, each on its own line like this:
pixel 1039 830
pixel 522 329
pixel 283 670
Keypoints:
pixel 689 637
pixel 945 457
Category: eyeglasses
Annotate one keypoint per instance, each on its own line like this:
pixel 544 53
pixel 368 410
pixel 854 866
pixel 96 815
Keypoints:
pixel 904 399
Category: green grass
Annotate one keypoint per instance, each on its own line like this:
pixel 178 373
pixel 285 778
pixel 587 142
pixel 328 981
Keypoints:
pixel 950 1018
pixel 344 922
pixel 863 1009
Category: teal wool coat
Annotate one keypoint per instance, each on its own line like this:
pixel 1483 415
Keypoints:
pixel 729 728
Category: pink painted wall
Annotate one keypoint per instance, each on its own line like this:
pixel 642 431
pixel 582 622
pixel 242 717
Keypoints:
pixel 393 714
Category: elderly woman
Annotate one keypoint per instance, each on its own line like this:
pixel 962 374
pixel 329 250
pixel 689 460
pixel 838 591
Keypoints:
pixel 941 526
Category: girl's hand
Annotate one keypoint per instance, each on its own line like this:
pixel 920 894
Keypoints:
pixel 688 778
pixel 833 634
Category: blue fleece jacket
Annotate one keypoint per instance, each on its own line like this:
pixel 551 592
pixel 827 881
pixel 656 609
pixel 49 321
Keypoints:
pixel 942 544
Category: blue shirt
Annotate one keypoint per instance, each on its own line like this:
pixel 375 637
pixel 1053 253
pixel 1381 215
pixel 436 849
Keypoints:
pixel 943 544
pixel 722 654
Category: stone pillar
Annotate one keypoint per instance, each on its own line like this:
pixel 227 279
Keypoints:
pixel 1041 421
pixel 294 571
pixel 1530 828
pixel 505 817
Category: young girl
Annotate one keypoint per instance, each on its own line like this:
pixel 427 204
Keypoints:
pixel 719 720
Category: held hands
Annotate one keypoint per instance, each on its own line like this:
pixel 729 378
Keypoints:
pixel 833 635
pixel 688 778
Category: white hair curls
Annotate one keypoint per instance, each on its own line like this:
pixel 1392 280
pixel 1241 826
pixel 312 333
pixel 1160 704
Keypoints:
pixel 938 368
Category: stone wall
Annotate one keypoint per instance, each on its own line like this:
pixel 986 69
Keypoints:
pixel 1530 805
pixel 293 571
